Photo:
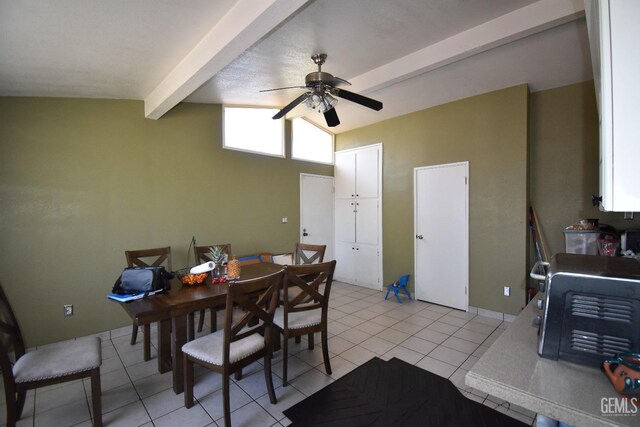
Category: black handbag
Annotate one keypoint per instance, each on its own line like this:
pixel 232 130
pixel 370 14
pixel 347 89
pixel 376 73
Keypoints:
pixel 136 280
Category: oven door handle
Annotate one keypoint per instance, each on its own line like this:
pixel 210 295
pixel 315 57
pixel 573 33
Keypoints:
pixel 535 268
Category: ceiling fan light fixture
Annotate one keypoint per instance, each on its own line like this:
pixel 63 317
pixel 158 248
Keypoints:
pixel 309 103
pixel 313 101
pixel 327 103
pixel 320 101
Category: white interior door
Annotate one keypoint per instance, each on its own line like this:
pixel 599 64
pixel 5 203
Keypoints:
pixel 441 216
pixel 316 211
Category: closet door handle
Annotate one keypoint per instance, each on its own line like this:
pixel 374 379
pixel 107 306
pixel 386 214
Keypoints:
pixel 419 236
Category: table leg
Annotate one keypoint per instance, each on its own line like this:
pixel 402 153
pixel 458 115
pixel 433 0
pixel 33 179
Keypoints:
pixel 191 326
pixel 178 338
pixel 146 342
pixel 164 346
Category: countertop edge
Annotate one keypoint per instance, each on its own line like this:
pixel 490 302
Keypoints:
pixel 534 403
pixel 511 370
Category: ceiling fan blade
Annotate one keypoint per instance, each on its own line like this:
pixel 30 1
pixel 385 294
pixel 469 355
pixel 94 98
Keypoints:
pixel 331 116
pixel 291 105
pixel 282 88
pixel 335 81
pixel 358 99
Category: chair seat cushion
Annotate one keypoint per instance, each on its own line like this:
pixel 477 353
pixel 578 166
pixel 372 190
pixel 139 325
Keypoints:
pixel 59 360
pixel 284 259
pixel 299 319
pixel 209 348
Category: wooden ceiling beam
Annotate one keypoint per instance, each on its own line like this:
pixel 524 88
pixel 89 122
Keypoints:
pixel 529 20
pixel 246 23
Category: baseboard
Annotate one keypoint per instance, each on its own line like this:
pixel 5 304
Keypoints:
pixel 492 314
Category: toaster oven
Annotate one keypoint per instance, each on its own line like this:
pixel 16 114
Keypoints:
pixel 589 307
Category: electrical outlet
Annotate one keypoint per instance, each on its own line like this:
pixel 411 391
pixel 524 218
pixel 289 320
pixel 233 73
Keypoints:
pixel 68 310
pixel 284 220
pixel 506 291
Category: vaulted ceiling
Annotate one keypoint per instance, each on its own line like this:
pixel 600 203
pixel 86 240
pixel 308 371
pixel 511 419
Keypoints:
pixel 409 54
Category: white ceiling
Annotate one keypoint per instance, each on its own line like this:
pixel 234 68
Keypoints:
pixel 409 54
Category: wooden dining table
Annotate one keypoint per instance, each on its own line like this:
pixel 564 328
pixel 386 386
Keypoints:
pixel 171 310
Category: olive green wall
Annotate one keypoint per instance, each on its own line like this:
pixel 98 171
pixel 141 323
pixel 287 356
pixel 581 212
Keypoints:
pixel 83 180
pixel 489 131
pixel 79 185
pixel 563 161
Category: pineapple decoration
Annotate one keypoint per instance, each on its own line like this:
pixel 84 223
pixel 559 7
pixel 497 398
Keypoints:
pixel 218 256
pixel 233 268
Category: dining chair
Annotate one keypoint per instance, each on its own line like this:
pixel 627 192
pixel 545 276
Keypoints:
pixel 144 258
pixel 202 255
pixel 51 364
pixel 304 253
pixel 245 338
pixel 305 311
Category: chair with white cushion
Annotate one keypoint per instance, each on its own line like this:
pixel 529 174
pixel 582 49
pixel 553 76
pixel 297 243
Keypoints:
pixel 305 311
pixel 282 259
pixel 245 338
pixel 51 364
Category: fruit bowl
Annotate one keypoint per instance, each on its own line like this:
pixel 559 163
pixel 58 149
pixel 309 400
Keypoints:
pixel 188 279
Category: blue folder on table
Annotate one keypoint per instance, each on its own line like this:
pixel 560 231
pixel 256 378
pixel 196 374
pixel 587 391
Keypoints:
pixel 129 297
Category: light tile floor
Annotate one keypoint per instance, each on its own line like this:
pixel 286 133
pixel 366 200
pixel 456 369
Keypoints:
pixel 362 325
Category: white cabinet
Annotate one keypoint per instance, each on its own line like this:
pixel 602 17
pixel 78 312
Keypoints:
pixel 345 225
pixel 358 264
pixel 614 36
pixel 358 216
pixel 357 173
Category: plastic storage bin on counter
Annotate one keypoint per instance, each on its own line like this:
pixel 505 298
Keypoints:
pixel 581 241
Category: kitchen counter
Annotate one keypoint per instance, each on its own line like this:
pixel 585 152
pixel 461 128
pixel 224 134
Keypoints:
pixel 512 370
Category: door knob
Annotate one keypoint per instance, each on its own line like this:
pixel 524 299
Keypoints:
pixel 419 236
pixel 304 232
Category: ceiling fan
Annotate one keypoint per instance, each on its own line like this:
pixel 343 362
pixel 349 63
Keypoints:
pixel 322 92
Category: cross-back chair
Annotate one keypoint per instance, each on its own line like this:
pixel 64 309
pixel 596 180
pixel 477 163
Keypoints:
pixel 144 258
pixel 203 255
pixel 304 253
pixel 245 338
pixel 305 311
pixel 52 364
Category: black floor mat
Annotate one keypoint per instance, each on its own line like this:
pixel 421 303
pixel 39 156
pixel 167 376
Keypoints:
pixel 393 393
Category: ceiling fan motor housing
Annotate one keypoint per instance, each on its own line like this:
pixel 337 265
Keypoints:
pixel 317 77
